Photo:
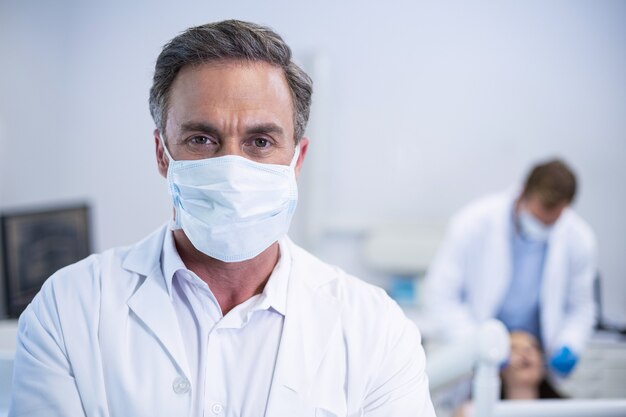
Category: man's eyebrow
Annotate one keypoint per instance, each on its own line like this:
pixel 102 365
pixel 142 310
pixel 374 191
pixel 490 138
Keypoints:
pixel 265 128
pixel 211 129
pixel 199 127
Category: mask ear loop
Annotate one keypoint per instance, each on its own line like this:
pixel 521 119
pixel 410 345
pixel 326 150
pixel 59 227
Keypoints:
pixel 296 155
pixel 167 152
pixel 175 223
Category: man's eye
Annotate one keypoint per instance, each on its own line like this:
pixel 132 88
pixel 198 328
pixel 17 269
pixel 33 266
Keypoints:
pixel 199 140
pixel 261 143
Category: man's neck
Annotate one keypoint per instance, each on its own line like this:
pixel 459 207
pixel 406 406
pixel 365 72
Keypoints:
pixel 232 283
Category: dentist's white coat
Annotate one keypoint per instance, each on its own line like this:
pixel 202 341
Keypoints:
pixel 102 339
pixel 470 275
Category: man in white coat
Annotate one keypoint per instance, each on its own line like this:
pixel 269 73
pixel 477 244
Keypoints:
pixel 524 258
pixel 218 313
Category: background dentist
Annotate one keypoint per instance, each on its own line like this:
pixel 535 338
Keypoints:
pixel 525 258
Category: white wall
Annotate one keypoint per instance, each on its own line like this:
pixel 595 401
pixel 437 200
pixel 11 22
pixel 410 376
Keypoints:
pixel 430 104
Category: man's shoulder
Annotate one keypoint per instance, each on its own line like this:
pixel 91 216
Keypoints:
pixel 359 300
pixel 82 277
pixel 331 278
pixel 488 213
pixel 577 224
pixel 87 278
pixel 578 232
pixel 484 207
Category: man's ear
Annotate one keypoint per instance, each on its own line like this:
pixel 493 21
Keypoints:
pixel 304 145
pixel 162 160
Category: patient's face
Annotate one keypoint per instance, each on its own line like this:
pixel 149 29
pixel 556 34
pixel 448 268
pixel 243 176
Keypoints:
pixel 526 366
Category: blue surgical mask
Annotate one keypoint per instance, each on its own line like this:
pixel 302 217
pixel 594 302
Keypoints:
pixel 232 208
pixel 532 228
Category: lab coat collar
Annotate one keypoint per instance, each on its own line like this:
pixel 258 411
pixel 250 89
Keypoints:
pixel 144 256
pixel 151 301
pixel 275 292
pixel 311 322
pixel 170 260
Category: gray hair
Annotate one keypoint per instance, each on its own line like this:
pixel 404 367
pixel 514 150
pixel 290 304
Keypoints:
pixel 229 39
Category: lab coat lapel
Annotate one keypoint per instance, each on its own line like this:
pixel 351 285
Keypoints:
pixel 151 303
pixel 311 322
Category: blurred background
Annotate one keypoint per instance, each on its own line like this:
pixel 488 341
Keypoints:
pixel 419 108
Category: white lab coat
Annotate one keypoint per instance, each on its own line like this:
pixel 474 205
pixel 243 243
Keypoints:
pixel 102 339
pixel 469 277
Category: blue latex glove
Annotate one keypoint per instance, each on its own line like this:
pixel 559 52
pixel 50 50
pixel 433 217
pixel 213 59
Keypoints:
pixel 563 361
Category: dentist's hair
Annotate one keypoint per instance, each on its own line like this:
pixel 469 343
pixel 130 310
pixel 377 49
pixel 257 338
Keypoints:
pixel 553 182
pixel 228 40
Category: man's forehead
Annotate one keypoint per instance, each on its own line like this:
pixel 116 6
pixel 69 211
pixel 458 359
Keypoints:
pixel 231 78
pixel 223 88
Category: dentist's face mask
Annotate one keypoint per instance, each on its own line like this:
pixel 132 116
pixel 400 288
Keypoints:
pixel 532 228
pixel 232 208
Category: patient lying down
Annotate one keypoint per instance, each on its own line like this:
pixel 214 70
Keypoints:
pixel 524 376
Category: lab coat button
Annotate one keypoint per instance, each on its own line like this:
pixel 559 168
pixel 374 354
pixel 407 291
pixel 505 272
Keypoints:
pixel 217 408
pixel 181 385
